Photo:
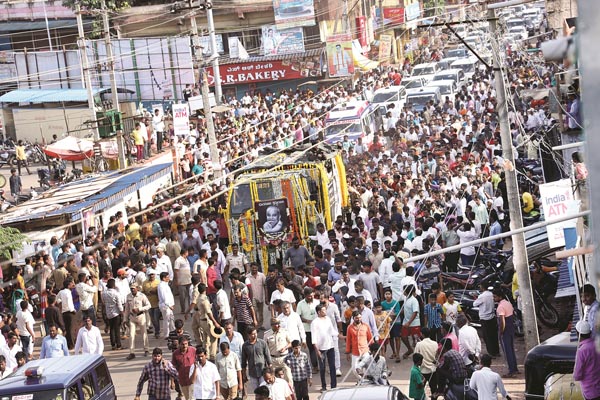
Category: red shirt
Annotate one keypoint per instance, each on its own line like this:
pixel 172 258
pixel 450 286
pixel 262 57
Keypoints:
pixel 182 363
pixel 211 277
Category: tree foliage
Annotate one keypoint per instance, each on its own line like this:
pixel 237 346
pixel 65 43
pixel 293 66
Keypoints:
pixel 91 6
pixel 11 239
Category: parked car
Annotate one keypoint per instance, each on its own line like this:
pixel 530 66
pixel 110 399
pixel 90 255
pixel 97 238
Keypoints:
pixel 366 392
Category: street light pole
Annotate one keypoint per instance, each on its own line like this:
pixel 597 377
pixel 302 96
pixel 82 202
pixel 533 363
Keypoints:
pixel 87 80
pixel 113 83
pixel 214 54
pixel 210 126
pixel 516 222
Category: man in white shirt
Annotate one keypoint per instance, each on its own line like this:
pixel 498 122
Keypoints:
pixel 10 350
pixel 163 262
pixel 64 299
pixel 86 292
pixel 292 323
pixel 89 339
pixel 25 324
pixel 489 324
pixel 486 382
pixel 279 389
pixel 469 344
pixel 158 126
pixel 282 293
pixel 322 338
pixel 166 304
pixel 222 303
pixel 205 376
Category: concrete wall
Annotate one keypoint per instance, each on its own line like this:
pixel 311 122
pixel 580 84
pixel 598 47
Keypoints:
pixel 31 123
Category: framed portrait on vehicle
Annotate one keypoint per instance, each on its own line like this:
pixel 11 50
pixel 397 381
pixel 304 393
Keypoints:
pixel 273 221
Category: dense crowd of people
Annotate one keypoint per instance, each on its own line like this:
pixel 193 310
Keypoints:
pixel 428 181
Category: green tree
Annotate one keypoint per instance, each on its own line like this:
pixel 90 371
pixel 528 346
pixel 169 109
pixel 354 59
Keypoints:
pixel 11 239
pixel 91 7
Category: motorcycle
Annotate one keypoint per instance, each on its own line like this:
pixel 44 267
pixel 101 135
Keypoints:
pixel 57 175
pixel 4 203
pixel 544 278
pixel 34 302
pixel 35 154
pixel 8 157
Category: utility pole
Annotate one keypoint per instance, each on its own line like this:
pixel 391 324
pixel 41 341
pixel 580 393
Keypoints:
pixel 210 127
pixel 514 206
pixel 214 51
pixel 113 84
pixel 87 80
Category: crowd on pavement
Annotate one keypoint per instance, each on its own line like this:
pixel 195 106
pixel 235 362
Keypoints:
pixel 428 180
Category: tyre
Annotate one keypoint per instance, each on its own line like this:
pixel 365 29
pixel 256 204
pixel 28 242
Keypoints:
pixel 2 181
pixel 547 314
pixel 12 160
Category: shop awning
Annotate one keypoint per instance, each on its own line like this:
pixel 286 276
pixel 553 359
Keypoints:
pixel 360 61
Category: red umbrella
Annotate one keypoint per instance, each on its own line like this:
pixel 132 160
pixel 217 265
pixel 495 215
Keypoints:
pixel 71 149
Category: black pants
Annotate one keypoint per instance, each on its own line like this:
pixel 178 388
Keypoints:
pixel 243 329
pixel 312 354
pixel 432 379
pixel 301 389
pixel 115 331
pixel 159 141
pixel 68 318
pixel 329 357
pixel 490 336
pixel 451 262
pixel 23 162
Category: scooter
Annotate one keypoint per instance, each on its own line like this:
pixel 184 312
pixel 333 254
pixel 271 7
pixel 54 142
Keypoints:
pixel 8 157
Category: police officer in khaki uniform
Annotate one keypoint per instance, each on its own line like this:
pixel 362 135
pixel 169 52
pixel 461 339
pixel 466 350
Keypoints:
pixel 203 321
pixel 136 305
pixel 279 342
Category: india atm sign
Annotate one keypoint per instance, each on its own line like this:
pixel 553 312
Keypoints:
pixel 266 71
pixel 558 201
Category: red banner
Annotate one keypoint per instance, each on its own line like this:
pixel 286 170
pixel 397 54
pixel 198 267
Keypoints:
pixel 361 28
pixel 393 14
pixel 265 71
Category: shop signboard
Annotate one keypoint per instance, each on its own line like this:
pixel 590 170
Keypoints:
pixel 294 13
pixel 393 15
pixel 340 61
pixel 181 119
pixel 558 201
pixel 282 41
pixel 385 48
pixel 266 71
pixel 412 9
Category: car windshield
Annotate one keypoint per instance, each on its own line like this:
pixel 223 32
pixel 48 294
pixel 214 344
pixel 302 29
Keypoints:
pixel 514 23
pixel 338 130
pixel 445 89
pixel 385 97
pixel 423 71
pixel 421 99
pixel 413 84
pixel 445 77
pixel 457 53
pixel 466 67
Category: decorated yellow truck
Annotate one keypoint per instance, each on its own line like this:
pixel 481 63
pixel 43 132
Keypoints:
pixel 283 194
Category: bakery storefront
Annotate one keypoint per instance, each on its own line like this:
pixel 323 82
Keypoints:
pixel 269 73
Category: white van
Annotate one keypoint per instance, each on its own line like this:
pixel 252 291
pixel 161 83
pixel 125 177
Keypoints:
pixel 418 98
pixel 455 74
pixel 468 66
pixel 413 82
pixel 447 88
pixel 355 119
pixel 389 95
pixel 426 70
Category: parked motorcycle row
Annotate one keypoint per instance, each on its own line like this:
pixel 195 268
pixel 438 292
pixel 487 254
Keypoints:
pixel 33 151
pixel 489 272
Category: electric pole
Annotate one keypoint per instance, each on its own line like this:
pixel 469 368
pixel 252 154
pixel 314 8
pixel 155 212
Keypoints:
pixel 214 51
pixel 87 80
pixel 210 127
pixel 113 84
pixel 514 206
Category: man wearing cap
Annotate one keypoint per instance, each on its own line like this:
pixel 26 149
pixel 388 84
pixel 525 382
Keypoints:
pixel 136 305
pixel 150 289
pixel 166 304
pixel 587 362
pixel 279 343
pixel 89 339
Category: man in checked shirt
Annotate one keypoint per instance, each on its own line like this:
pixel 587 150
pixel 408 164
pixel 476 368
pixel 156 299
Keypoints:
pixel 301 371
pixel 158 373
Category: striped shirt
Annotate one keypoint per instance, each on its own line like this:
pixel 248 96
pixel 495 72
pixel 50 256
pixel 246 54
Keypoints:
pixel 434 315
pixel 242 309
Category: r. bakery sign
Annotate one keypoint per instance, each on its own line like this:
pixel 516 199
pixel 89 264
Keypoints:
pixel 257 72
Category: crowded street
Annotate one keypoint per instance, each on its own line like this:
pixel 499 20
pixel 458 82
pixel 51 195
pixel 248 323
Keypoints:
pixel 382 201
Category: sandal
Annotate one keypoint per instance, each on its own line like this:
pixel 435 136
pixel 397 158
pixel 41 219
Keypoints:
pixel 406 355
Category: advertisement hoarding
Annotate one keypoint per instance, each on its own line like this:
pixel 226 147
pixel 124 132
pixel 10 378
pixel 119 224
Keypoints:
pixel 281 41
pixel 558 201
pixel 181 119
pixel 294 13
pixel 340 61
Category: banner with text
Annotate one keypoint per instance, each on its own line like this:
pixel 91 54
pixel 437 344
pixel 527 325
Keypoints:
pixel 385 48
pixel 181 119
pixel 558 201
pixel 267 71
pixel 294 13
pixel 282 41
pixel 340 61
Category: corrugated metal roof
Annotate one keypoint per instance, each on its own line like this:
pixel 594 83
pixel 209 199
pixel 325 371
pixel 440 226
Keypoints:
pixel 52 95
pixel 291 56
pixel 106 190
